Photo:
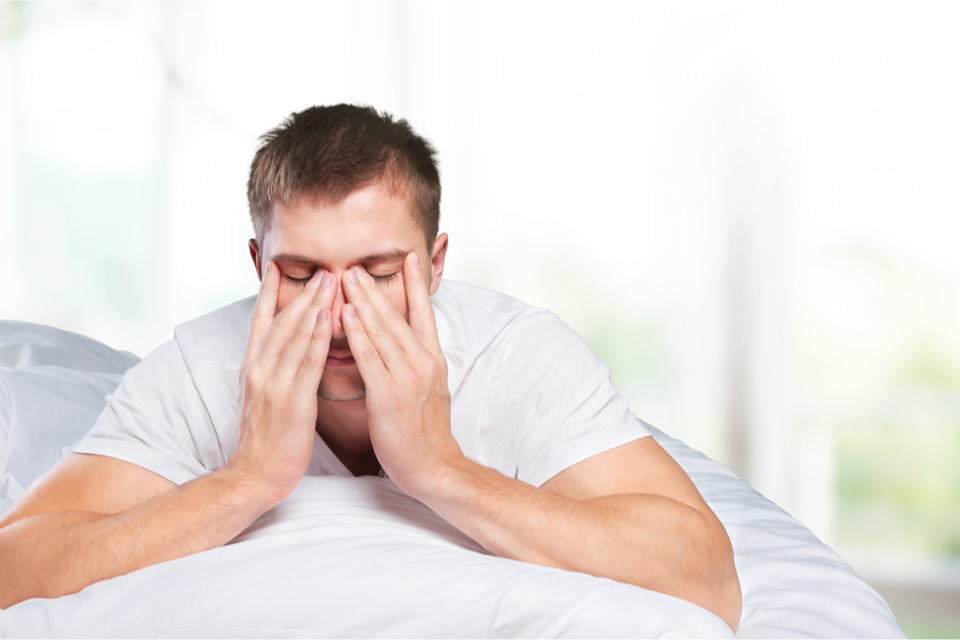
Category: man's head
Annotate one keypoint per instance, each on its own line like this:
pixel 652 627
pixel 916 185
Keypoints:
pixel 327 153
pixel 339 187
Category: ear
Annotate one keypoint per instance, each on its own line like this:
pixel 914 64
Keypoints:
pixel 255 254
pixel 437 256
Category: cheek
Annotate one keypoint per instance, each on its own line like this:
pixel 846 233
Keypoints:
pixel 285 296
pixel 398 299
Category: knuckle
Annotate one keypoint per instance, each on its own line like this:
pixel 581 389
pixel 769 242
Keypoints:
pixel 252 381
pixel 293 311
pixel 299 335
pixel 254 372
pixel 391 314
pixel 287 315
pixel 311 362
pixel 377 330
pixel 367 353
pixel 429 367
pixel 282 319
pixel 271 389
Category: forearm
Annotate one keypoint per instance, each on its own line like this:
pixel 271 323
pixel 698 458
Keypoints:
pixel 648 540
pixel 58 553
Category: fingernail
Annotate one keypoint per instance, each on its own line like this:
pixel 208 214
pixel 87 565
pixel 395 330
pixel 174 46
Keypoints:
pixel 326 281
pixel 322 316
pixel 349 310
pixel 415 260
pixel 352 275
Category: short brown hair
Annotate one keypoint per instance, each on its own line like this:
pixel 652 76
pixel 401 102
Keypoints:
pixel 330 152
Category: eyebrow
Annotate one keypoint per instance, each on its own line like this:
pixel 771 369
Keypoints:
pixel 396 254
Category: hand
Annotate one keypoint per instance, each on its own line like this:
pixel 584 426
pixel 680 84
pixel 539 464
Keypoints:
pixel 405 374
pixel 279 378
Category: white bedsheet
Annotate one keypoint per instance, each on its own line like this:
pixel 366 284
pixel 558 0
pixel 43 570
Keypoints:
pixel 354 557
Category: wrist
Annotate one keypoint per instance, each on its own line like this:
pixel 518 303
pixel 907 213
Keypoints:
pixel 243 484
pixel 429 478
pixel 446 482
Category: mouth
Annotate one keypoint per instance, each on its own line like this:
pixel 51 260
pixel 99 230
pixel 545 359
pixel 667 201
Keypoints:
pixel 340 359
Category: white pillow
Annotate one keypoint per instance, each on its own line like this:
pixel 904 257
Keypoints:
pixel 356 558
pixel 53 385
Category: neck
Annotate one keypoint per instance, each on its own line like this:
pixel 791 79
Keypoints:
pixel 343 427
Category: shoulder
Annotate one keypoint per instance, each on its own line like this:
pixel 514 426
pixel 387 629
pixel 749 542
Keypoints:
pixel 457 300
pixel 176 411
pixel 470 318
pixel 218 338
pixel 213 347
pixel 487 335
pixel 530 397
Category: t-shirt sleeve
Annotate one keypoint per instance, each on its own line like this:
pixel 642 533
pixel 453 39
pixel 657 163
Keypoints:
pixel 155 419
pixel 552 402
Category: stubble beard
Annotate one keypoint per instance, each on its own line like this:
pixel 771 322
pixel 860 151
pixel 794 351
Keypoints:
pixel 358 392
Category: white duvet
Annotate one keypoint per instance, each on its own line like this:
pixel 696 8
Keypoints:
pixel 350 557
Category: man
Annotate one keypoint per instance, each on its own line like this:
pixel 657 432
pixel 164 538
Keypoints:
pixel 355 360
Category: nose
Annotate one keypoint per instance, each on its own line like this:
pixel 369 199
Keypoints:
pixel 338 333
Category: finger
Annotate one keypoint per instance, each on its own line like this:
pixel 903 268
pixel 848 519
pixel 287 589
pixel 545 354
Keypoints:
pixel 382 323
pixel 263 312
pixel 423 322
pixel 300 339
pixel 311 366
pixel 285 324
pixel 367 357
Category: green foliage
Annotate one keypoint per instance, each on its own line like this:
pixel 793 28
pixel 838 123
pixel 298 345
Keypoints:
pixel 898 487
pixel 928 367
pixel 930 628
pixel 637 349
pixel 878 354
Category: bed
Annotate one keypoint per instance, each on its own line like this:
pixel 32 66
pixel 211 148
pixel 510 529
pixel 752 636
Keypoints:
pixel 349 557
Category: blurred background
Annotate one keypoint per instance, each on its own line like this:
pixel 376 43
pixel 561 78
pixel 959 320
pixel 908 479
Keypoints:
pixel 749 209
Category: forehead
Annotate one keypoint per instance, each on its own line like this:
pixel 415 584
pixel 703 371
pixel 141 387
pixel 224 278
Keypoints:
pixel 373 220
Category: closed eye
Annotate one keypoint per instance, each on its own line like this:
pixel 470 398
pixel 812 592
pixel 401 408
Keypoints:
pixel 302 282
pixel 298 282
pixel 384 279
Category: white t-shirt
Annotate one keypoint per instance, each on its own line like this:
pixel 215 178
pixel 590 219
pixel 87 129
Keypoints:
pixel 529 398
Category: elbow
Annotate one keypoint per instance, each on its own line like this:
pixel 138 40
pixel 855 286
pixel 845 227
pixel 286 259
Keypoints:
pixel 693 560
pixel 729 598
pixel 698 566
pixel 720 588
pixel 702 570
pixel 8 598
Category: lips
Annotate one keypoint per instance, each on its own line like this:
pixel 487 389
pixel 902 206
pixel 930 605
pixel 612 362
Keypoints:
pixel 340 359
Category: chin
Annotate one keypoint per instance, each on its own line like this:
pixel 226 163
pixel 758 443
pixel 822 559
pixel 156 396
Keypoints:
pixel 337 397
pixel 342 391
